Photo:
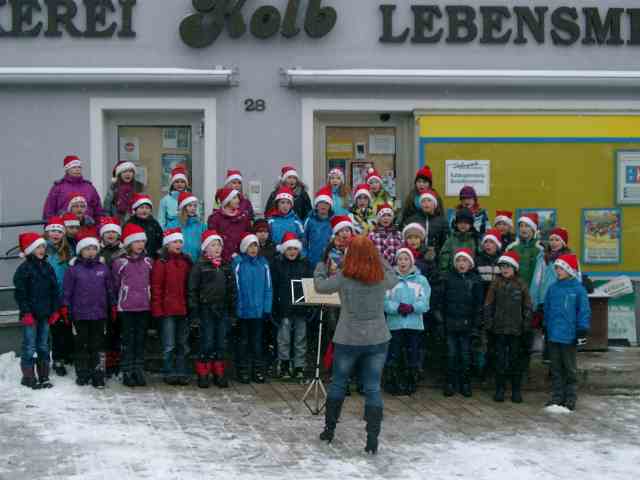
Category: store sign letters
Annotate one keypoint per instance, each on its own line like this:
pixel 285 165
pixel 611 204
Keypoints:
pixel 50 18
pixel 519 25
pixel 212 17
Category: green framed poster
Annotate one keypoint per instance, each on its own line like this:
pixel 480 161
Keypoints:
pixel 601 236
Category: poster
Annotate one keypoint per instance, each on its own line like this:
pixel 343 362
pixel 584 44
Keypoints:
pixel 170 138
pixel 628 177
pixel 169 161
pixel 476 173
pixel 129 149
pixel 359 173
pixel 382 144
pixel 601 229
pixel 339 150
pixel 547 220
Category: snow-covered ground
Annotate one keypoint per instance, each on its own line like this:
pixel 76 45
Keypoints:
pixel 161 433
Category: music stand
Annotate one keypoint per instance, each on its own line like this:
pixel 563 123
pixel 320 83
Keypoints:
pixel 310 298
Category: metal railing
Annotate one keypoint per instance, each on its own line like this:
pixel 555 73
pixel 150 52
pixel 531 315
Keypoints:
pixel 12 253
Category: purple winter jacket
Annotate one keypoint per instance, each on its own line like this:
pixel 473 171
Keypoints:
pixel 58 197
pixel 132 282
pixel 88 291
pixel 231 228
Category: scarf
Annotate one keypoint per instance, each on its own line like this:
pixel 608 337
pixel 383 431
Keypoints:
pixel 123 196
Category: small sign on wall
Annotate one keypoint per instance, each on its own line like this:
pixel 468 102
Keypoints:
pixel 129 149
pixel 475 173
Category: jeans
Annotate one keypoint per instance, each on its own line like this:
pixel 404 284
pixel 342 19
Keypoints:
pixel 61 342
pixel 299 335
pixel 250 344
pixel 213 330
pixel 405 340
pixel 509 355
pixel 175 344
pixel 371 359
pixel 458 356
pixel 564 372
pixel 35 339
pixel 90 341
pixel 134 326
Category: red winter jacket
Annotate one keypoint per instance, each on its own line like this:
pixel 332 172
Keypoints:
pixel 231 228
pixel 169 282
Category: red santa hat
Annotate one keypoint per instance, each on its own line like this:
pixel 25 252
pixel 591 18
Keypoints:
pixel 71 161
pixel 70 220
pixel 384 209
pixel 493 234
pixel 465 253
pixel 56 224
pixel 29 241
pixel 247 239
pixel 425 172
pixel 414 228
pixel 338 222
pixel 284 193
pixel 233 175
pixel 429 194
pixel 336 172
pixel 324 195
pixel 510 258
pixel 362 189
pixel 172 235
pixel 208 237
pixel 179 172
pixel 407 251
pixel 185 198
pixel 225 195
pixel 140 199
pixel 87 238
pixel 75 198
pixel 561 233
pixel 121 167
pixel 531 219
pixel 109 224
pixel 568 263
pixel 288 171
pixel 290 240
pixel 503 216
pixel 373 176
pixel 133 233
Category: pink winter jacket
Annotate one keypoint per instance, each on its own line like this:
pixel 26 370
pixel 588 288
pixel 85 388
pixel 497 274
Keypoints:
pixel 59 197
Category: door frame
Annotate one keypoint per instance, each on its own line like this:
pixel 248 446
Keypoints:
pixel 100 107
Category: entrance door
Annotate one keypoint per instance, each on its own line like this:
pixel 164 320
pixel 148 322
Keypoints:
pixel 157 142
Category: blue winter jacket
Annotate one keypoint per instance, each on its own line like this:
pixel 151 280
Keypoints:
pixel 281 224
pixel 168 210
pixel 192 233
pixel 543 277
pixel 412 289
pixel 59 267
pixel 254 288
pixel 566 310
pixel 317 235
pixel 338 204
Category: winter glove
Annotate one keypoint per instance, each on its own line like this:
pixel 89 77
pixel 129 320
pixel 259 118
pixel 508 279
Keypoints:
pixel 55 316
pixel 581 335
pixel 405 309
pixel 64 313
pixel 537 320
pixel 114 313
pixel 28 320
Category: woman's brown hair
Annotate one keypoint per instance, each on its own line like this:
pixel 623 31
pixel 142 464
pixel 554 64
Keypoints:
pixel 63 249
pixel 363 262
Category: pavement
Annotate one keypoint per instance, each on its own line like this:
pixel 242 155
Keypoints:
pixel 264 431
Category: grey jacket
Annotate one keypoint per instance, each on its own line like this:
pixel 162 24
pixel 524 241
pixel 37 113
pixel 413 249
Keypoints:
pixel 362 319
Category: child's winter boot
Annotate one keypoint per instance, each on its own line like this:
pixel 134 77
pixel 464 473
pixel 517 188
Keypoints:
pixel 500 387
pixel 516 392
pixel 59 368
pixel 202 371
pixel 218 374
pixel 43 373
pixel 29 378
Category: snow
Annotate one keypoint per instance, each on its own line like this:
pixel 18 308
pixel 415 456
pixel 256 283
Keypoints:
pixel 557 409
pixel 162 433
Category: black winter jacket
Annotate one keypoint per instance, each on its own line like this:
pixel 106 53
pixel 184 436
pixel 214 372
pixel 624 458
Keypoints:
pixel 301 202
pixel 436 227
pixel 488 269
pixel 37 291
pixel 153 230
pixel 462 302
pixel 268 251
pixel 508 307
pixel 212 286
pixel 283 271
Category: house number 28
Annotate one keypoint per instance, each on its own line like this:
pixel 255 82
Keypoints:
pixel 255 105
